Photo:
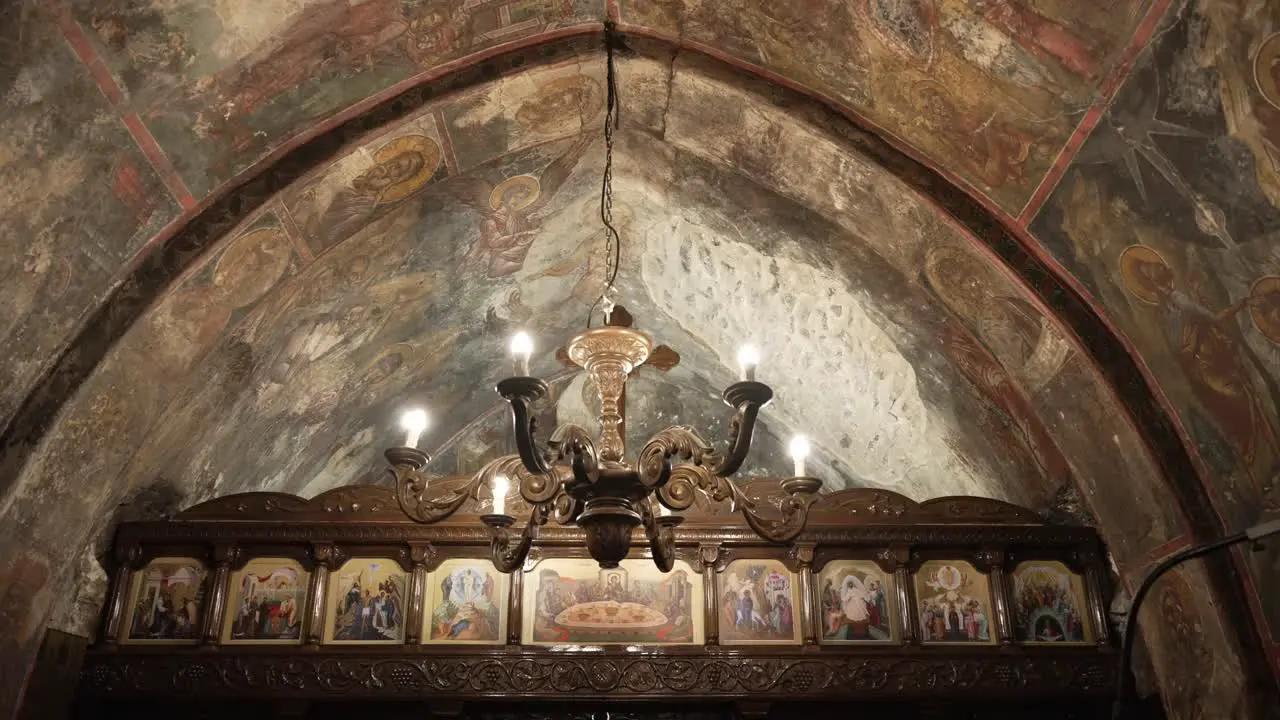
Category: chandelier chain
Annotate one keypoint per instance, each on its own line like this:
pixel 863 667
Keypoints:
pixel 613 241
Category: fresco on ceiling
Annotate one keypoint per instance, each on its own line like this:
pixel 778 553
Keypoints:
pixel 379 320
pixel 1194 656
pixel 1066 396
pixel 217 293
pixel 77 199
pixel 421 273
pixel 989 89
pixel 1005 344
pixel 105 422
pixel 527 109
pixel 220 84
pixel 366 184
pixel 1171 217
pixel 855 256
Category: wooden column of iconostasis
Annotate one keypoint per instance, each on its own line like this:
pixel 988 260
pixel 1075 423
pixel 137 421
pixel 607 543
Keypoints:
pixel 805 594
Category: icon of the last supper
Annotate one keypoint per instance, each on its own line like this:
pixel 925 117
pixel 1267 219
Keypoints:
pixel 577 601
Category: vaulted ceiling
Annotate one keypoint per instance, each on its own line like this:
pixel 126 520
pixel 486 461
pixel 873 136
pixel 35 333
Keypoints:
pixel 990 247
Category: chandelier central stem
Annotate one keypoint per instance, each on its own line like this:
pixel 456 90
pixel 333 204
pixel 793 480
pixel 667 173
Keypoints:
pixel 609 354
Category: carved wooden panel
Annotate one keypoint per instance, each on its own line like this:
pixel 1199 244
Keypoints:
pixel 826 653
pixel 698 676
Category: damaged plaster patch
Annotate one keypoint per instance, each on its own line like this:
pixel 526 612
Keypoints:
pixel 837 376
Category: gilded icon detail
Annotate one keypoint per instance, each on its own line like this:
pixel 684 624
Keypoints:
pixel 468 603
pixel 367 602
pixel 954 603
pixel 266 602
pixel 167 601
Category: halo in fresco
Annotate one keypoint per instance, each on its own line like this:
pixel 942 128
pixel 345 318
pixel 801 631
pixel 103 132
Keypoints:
pixel 558 99
pixel 1145 273
pixel 856 603
pixel 958 278
pixel 417 152
pixel 759 604
pixel 516 193
pixel 252 265
pixel 1264 307
pixel 1266 69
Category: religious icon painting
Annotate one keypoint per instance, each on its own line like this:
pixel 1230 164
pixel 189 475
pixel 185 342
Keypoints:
pixel 575 601
pixel 856 603
pixel 1049 604
pixel 368 598
pixel 954 603
pixel 466 604
pixel 758 604
pixel 167 601
pixel 266 603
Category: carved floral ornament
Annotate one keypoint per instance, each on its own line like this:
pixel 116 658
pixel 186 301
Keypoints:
pixel 771 676
pixel 589 482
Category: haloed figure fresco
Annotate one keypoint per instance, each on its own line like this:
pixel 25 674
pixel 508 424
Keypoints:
pixel 168 601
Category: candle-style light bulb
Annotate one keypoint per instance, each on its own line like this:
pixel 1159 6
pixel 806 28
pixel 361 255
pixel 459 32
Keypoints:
pixel 522 348
pixel 500 488
pixel 414 422
pixel 799 451
pixel 748 359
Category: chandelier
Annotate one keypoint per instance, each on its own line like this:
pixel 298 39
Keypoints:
pixel 575 479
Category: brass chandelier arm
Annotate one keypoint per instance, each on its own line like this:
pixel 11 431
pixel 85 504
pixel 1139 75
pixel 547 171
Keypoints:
pixel 661 531
pixel 747 396
pixel 521 393
pixel 573 443
pixel 680 441
pixel 412 483
pixel 508 550
pixel 569 442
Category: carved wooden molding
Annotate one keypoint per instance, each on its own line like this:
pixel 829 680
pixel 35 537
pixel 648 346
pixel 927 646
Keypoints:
pixel 319 675
pixel 856 506
pixel 248 533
